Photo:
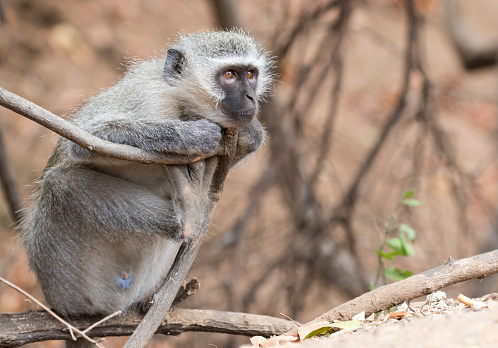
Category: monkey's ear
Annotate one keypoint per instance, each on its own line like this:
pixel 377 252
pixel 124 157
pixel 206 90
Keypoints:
pixel 173 67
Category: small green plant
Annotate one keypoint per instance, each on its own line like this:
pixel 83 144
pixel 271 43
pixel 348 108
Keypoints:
pixel 397 237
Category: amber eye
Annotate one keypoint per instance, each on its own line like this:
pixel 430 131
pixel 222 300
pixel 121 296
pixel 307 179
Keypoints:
pixel 249 74
pixel 229 74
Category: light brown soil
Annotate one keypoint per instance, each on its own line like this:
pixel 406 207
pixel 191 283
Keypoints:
pixel 454 326
pixel 464 328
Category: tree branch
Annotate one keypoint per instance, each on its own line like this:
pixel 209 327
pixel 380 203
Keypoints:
pixel 165 296
pixel 9 184
pixel 70 131
pixel 34 326
pixel 475 267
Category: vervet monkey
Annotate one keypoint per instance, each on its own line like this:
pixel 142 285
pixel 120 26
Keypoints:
pixel 102 232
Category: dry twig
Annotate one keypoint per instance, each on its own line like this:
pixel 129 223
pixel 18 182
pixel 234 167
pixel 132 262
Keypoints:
pixel 71 328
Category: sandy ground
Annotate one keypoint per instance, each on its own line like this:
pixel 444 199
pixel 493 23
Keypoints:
pixel 462 327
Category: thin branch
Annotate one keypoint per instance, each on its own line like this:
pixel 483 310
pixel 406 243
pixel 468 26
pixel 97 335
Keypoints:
pixel 349 200
pixel 71 328
pixel 70 131
pixel 165 296
pixel 302 24
pixel 101 321
pixel 9 184
pixel 337 64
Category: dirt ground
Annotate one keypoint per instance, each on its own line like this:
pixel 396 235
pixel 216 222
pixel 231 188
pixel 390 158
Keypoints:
pixel 454 325
pixel 466 328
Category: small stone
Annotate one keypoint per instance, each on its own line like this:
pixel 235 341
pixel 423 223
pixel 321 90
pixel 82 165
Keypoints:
pixel 436 296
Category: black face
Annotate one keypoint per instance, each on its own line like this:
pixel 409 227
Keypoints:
pixel 239 84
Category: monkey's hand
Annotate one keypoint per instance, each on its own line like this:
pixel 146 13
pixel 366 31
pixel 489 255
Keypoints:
pixel 200 137
pixel 250 139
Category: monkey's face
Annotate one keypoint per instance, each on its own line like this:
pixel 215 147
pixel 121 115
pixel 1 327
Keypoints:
pixel 239 83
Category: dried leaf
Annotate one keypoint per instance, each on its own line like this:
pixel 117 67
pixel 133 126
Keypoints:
pixel 257 340
pixel 397 315
pixel 359 316
pixel 276 341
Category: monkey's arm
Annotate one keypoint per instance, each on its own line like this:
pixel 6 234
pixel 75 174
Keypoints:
pixel 193 138
pixel 250 139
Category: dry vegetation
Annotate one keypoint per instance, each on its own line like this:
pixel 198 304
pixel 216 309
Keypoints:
pixel 372 101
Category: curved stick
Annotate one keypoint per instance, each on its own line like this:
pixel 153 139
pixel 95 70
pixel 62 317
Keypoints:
pixel 165 296
pixel 90 142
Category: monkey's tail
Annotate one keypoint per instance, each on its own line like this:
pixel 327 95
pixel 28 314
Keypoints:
pixel 79 343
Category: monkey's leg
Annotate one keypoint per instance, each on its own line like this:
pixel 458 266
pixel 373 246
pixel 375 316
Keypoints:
pixel 192 184
pixel 98 243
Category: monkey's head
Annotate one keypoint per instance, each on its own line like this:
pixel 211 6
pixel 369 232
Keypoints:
pixel 219 75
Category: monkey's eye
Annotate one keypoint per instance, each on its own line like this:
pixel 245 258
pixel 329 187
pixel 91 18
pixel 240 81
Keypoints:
pixel 229 74
pixel 250 74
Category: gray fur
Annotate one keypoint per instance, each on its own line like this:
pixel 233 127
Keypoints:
pixel 102 233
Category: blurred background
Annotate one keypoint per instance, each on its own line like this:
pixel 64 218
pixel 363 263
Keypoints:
pixel 374 98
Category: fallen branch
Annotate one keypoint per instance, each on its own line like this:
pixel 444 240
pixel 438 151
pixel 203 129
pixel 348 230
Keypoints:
pixel 34 326
pixel 72 132
pixel 452 272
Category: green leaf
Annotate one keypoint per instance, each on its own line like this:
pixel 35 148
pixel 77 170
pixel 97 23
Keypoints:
pixel 410 232
pixel 388 256
pixel 371 286
pixel 408 249
pixel 318 332
pixel 408 194
pixel 397 274
pixel 412 202
pixel 395 244
pixel 351 324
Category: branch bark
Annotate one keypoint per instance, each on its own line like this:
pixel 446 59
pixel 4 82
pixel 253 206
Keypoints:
pixel 70 131
pixel 165 296
pixel 34 326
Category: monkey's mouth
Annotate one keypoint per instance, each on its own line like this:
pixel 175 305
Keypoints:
pixel 246 113
pixel 239 118
pixel 243 118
